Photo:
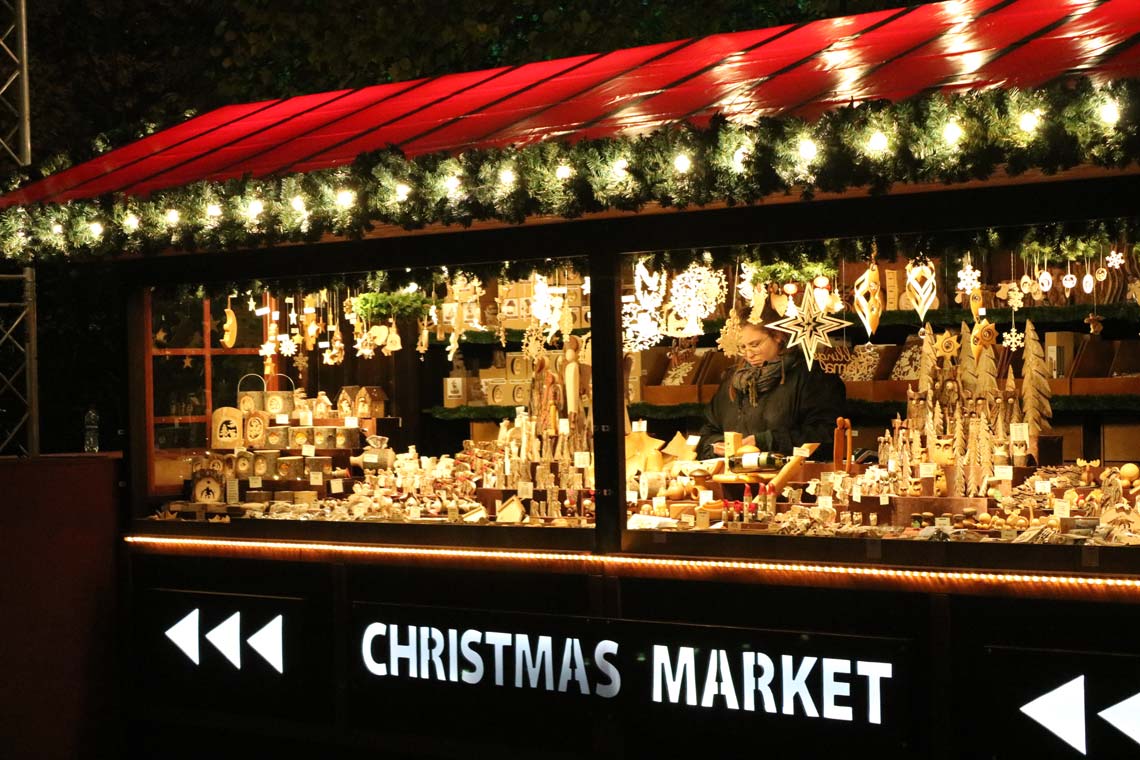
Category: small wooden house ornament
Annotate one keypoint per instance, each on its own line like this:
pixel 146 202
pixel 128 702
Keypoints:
pixel 256 426
pixel 226 428
pixel 370 401
pixel 346 401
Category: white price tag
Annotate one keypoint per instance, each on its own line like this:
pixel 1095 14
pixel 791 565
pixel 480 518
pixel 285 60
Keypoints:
pixel 453 513
pixel 689 519
pixel 231 491
pixel 414 512
pixel 276 315
pixel 316 478
pixel 801 451
pixel 631 497
pixel 750 460
pixel 1008 534
pixel 255 481
pixel 884 500
pixel 308 450
pixel 581 459
pixel 372 458
pixel 323 344
pixel 702 519
pixel 942 522
pixel 1003 471
pixel 351 422
pixel 824 502
pixel 892 465
pixel 282 419
pixel 336 485
pixel 927 470
pixel 693 440
pixel 563 426
pixel 263 311
pixel 1062 509
pixel 526 490
pixel 704 496
pixel 1019 431
pixel 1043 487
pixel 658 502
pixel 856 492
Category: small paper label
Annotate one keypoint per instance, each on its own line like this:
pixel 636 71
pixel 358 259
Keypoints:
pixel 927 470
pixel 322 344
pixel 1062 509
pixel 704 496
pixel 336 485
pixel 693 440
pixel 351 422
pixel 453 513
pixel 856 492
pixel 414 512
pixel 316 478
pixel 310 310
pixel 526 490
pixel 262 311
pixel 892 465
pixel 1043 487
pixel 658 502
pixel 255 481
pixel 276 315
pixel 231 491
pixel 1003 471
pixel 884 500
pixel 1019 431
pixel 563 426
pixel 702 519
pixel 308 450
pixel 824 502
pixel 800 451
pixel 372 458
pixel 631 497
pixel 812 487
pixel 581 459
pixel 942 522
pixel 689 519
pixel 1008 534
pixel 750 460
pixel 282 419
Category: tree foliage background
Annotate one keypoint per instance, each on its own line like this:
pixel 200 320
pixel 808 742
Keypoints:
pixel 105 72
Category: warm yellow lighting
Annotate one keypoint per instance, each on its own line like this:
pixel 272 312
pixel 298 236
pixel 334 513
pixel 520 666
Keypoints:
pixel 96 229
pixel 298 204
pixel 507 177
pixel 254 209
pixel 131 223
pixel 57 229
pixel 563 172
pixel 682 163
pixel 621 168
pixel 1029 121
pixel 411 287
pixel 878 143
pixel 452 184
pixel 172 216
pixel 952 133
pixel 739 156
pixel 345 199
pixel 808 149
pixel 402 192
pixel 1110 113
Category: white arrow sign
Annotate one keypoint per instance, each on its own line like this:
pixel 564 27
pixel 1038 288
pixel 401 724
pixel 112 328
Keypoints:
pixel 267 643
pixel 1125 717
pixel 227 638
pixel 184 634
pixel 1062 711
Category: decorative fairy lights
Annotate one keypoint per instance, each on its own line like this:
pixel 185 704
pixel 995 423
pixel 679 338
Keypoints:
pixel 694 294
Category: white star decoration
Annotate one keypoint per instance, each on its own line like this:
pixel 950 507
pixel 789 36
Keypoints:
pixel 809 327
pixel 1115 260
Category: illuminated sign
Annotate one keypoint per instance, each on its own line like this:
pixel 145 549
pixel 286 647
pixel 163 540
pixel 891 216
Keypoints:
pixel 226 638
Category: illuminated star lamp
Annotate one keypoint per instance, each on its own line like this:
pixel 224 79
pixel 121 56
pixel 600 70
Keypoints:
pixel 809 327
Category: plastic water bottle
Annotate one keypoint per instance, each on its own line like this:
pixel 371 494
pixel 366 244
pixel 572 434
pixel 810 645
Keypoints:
pixel 91 430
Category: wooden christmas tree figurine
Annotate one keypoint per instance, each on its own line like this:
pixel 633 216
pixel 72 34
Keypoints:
pixel 967 375
pixel 985 454
pixel 974 481
pixel 1035 391
pixel 927 361
pixel 986 372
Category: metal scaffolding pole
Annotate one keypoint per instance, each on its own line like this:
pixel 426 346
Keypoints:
pixel 15 112
pixel 19 361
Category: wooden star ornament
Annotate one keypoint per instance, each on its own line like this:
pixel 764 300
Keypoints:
pixel 809 327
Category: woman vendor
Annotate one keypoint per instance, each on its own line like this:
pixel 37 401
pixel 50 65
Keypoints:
pixel 772 398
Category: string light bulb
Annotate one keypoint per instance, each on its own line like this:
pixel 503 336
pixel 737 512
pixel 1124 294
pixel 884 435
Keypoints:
pixel 507 177
pixel 878 142
pixel 57 229
pixel 1109 112
pixel 130 223
pixel 682 163
pixel 739 156
pixel 952 133
pixel 298 204
pixel 213 210
pixel 345 199
pixel 402 192
pixel 1029 121
pixel 96 229
pixel 563 172
pixel 254 209
pixel 808 149
pixel 620 168
pixel 452 185
pixel 172 216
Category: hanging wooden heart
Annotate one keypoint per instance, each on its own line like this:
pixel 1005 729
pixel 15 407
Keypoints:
pixel 921 287
pixel 868 299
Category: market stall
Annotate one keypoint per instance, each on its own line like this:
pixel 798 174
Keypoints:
pixel 380 458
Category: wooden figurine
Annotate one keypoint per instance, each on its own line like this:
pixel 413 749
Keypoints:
pixel 346 401
pixel 370 401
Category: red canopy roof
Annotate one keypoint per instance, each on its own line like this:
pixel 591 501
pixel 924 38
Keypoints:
pixel 802 69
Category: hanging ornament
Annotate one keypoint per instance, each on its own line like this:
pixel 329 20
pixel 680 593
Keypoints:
pixel 1115 260
pixel 867 298
pixel 1101 274
pixel 641 312
pixel 546 306
pixel 1026 283
pixel 975 301
pixel 252 304
pixel 744 287
pixel 1088 283
pixel 1044 281
pixel 809 327
pixel 392 343
pixel 1015 299
pixel 921 286
pixel 948 345
pixel 729 340
pixel 334 354
pixel 969 278
pixel 301 363
pixel 1069 281
pixel 365 345
pixel 230 329
pixel 424 339
pixel 982 336
pixel 1013 339
pixel 1095 323
pixel 286 346
pixel 693 295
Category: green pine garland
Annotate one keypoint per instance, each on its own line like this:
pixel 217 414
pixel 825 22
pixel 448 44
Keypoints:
pixel 730 163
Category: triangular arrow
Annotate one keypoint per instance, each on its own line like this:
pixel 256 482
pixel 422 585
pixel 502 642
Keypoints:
pixel 1062 711
pixel 184 634
pixel 1125 717
pixel 267 643
pixel 227 638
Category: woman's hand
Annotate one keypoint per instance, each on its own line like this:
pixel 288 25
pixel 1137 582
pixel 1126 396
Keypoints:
pixel 718 447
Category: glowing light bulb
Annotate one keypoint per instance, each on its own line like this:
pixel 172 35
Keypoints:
pixel 952 133
pixel 96 229
pixel 345 199
pixel 878 142
pixel 563 172
pixel 57 229
pixel 298 204
pixel 402 192
pixel 131 223
pixel 1029 121
pixel 255 208
pixel 452 184
pixel 808 149
pixel 1110 112
pixel 213 210
pixel 507 177
pixel 682 163
pixel 621 168
pixel 412 287
pixel 738 157
pixel 172 216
